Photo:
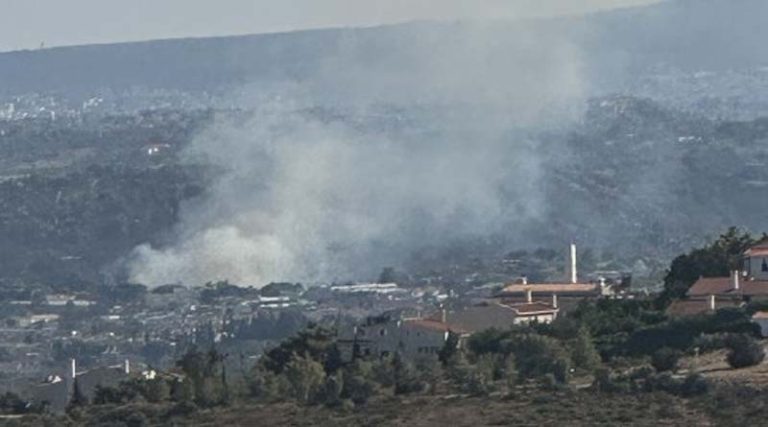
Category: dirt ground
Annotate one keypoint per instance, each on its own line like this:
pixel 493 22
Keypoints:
pixel 715 367
pixel 543 409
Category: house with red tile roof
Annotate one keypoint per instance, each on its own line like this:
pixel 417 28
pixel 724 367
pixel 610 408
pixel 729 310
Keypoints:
pixel 424 337
pixel 569 292
pixel 756 261
pixel 748 283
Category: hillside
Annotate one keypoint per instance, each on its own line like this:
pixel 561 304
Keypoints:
pixel 639 132
pixel 686 34
pixel 635 179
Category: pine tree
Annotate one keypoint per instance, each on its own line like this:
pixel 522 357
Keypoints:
pixel 583 351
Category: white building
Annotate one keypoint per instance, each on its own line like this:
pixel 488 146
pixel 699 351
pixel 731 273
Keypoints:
pixel 756 261
pixel 411 338
pixel 761 319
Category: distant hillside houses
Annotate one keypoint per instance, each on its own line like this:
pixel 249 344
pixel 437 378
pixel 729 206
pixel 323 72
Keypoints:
pixel 568 292
pixel 416 336
pixel 369 288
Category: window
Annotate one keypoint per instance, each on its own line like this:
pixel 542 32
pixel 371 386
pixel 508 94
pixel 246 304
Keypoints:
pixel 383 332
pixel 765 265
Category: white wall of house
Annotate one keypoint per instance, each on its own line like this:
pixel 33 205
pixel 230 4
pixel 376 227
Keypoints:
pixel 763 323
pixel 758 267
pixel 419 342
pixel 541 318
pixel 406 338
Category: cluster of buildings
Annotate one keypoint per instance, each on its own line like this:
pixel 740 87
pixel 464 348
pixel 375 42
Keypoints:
pixel 415 335
pixel 156 328
pixel 745 284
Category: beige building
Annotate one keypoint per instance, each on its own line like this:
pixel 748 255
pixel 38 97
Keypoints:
pixel 566 293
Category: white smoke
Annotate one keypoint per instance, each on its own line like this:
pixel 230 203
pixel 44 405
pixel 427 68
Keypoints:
pixel 426 151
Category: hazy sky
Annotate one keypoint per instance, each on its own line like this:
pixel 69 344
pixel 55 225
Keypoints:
pixel 25 24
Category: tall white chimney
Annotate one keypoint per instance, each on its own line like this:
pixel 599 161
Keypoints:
pixel 127 367
pixel 712 303
pixel 572 270
pixel 524 280
pixel 72 368
pixel 528 295
pixel 554 300
pixel 735 280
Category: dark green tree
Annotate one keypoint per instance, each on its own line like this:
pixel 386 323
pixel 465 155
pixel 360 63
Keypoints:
pixel 583 351
pixel 665 359
pixel 744 351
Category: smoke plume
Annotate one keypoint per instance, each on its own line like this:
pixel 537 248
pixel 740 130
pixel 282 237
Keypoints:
pixel 402 141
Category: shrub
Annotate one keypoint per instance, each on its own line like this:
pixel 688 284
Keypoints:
pixel 745 351
pixel 182 409
pixel 694 385
pixel 583 351
pixel 510 371
pixel 603 380
pixel 358 388
pixel 537 355
pixel 711 342
pixel 305 377
pixel 406 378
pixel 269 387
pixel 359 385
pixel 665 359
pixel 332 389
pixel 470 378
pixel 156 390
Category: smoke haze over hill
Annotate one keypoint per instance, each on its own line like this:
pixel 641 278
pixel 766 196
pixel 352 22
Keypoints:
pixel 427 149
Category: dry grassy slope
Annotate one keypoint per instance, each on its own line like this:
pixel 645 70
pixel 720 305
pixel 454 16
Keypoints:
pixel 562 408
pixel 715 367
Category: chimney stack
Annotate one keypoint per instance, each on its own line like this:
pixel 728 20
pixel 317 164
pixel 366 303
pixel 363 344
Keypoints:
pixel 528 295
pixel 572 270
pixel 524 280
pixel 72 368
pixel 712 303
pixel 127 367
pixel 554 300
pixel 735 280
pixel 443 315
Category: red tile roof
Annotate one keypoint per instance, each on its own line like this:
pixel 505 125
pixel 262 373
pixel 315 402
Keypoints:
pixel 481 317
pixel 724 286
pixel 756 251
pixel 434 325
pixel 691 307
pixel 759 249
pixel 558 288
pixel 760 315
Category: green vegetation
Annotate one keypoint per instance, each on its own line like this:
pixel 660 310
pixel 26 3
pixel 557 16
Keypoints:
pixel 744 351
pixel 666 359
